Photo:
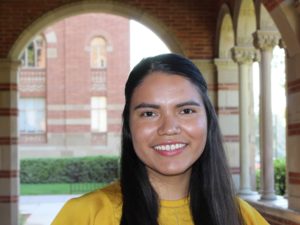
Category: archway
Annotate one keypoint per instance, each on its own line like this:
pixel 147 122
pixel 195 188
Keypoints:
pixel 94 7
pixel 50 18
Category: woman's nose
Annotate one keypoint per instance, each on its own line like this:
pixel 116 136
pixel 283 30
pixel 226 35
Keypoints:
pixel 169 126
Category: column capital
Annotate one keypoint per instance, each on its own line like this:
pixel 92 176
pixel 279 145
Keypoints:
pixel 245 54
pixel 266 40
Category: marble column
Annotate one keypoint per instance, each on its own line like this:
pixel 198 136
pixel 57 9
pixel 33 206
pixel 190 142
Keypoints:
pixel 266 41
pixel 244 56
pixel 9 168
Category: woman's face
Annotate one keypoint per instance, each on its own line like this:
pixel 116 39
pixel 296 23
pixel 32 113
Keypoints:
pixel 168 124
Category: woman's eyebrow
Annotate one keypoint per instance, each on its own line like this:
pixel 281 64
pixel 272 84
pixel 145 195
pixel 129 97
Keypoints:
pixel 154 106
pixel 188 103
pixel 146 105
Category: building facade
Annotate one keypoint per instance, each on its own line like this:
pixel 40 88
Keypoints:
pixel 71 87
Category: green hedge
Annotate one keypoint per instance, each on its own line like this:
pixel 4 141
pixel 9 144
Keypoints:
pixel 69 170
pixel 279 176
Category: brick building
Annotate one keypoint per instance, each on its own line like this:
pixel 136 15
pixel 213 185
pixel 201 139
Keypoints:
pixel 71 87
pixel 223 38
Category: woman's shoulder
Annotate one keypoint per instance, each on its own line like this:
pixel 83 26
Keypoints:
pixel 104 203
pixel 110 192
pixel 250 215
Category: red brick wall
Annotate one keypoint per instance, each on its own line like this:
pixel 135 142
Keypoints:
pixel 73 86
pixel 68 73
pixel 191 23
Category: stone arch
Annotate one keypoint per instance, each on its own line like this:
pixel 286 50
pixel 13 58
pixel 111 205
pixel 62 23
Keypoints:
pixel 244 22
pixel 265 22
pixel 77 8
pixel 99 33
pixel 224 33
pixel 286 18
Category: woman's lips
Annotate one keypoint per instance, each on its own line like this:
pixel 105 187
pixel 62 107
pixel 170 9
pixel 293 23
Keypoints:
pixel 170 149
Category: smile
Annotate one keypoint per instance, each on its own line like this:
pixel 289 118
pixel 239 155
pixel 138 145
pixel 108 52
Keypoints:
pixel 170 147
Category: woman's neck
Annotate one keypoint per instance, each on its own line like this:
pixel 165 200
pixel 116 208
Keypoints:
pixel 170 187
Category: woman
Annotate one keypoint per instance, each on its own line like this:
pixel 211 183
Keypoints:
pixel 173 165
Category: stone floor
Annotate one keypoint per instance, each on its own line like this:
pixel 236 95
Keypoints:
pixel 41 210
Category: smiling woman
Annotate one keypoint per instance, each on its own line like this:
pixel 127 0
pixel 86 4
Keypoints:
pixel 173 165
pixel 168 127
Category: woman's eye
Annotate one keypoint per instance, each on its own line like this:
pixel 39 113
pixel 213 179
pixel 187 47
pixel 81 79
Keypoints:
pixel 148 114
pixel 187 111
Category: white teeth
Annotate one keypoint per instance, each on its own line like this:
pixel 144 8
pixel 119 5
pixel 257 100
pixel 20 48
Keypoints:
pixel 171 147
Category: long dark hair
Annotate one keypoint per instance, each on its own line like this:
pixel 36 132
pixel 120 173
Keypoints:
pixel 212 199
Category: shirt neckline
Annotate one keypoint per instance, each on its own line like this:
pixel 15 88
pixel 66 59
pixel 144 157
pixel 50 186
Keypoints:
pixel 174 203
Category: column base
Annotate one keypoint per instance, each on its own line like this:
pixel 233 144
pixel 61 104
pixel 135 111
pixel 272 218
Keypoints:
pixel 269 196
pixel 244 192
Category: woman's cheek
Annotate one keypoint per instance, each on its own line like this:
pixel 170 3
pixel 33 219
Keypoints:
pixel 142 130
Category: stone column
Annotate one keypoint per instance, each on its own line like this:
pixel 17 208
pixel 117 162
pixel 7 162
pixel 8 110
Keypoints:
pixel 228 112
pixel 266 41
pixel 9 169
pixel 244 56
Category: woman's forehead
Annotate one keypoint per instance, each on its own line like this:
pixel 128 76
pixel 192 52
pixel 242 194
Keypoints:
pixel 166 87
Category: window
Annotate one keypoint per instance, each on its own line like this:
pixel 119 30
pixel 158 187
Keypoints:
pixel 98 114
pixel 34 55
pixel 31 115
pixel 98 53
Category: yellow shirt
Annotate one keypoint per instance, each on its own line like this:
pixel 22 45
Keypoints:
pixel 104 207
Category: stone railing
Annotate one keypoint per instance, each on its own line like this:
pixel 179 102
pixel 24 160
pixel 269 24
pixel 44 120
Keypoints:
pixel 98 80
pixel 276 212
pixel 32 80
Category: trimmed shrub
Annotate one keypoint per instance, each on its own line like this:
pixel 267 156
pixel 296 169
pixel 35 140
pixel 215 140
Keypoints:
pixel 69 170
pixel 280 173
pixel 279 177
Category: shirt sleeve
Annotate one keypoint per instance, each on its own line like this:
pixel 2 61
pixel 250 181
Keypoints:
pixel 251 215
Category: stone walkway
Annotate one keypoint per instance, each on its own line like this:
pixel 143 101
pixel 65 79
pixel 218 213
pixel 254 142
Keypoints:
pixel 41 210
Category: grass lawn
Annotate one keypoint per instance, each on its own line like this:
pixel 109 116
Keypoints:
pixel 57 189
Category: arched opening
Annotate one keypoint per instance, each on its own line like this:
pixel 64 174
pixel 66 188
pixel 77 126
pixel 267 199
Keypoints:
pixel 98 48
pixel 73 9
pixel 226 37
pixel 268 39
pixel 34 56
pixel 98 53
pixel 246 24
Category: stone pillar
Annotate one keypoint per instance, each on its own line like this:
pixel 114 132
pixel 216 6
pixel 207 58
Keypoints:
pixel 228 112
pixel 266 41
pixel 9 169
pixel 293 130
pixel 244 56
